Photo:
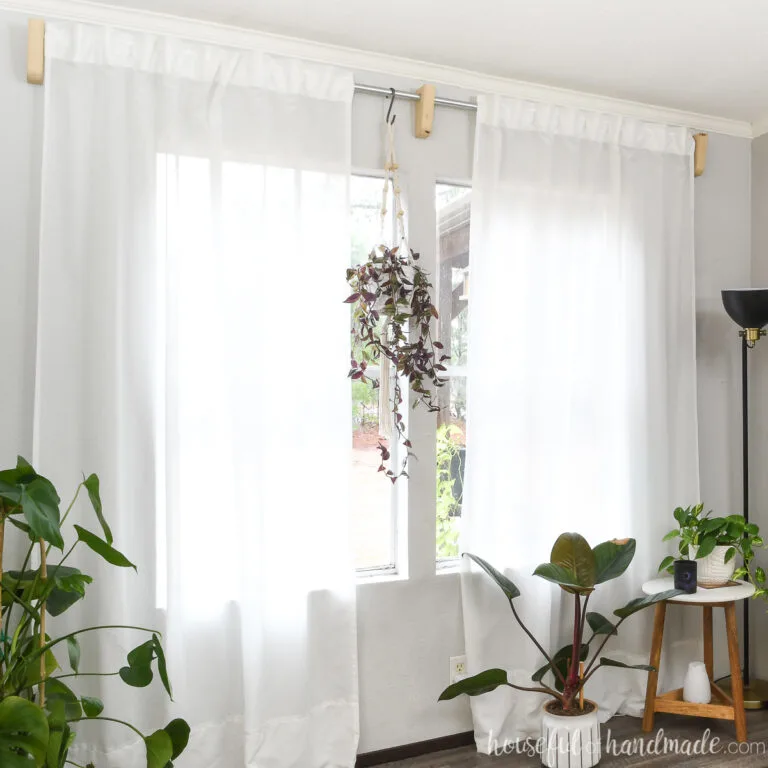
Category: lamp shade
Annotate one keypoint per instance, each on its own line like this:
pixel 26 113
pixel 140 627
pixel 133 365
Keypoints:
pixel 748 308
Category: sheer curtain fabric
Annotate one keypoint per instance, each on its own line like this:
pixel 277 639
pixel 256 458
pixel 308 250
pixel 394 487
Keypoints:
pixel 582 379
pixel 191 350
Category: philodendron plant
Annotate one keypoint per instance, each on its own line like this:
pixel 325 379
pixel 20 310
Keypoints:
pixel 577 568
pixel 38 709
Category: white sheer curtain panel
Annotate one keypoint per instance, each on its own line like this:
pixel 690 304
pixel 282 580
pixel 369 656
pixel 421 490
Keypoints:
pixel 582 380
pixel 192 350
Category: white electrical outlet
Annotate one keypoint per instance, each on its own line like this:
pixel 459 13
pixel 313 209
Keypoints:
pixel 458 668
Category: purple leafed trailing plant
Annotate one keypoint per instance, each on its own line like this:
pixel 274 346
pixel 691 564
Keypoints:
pixel 391 318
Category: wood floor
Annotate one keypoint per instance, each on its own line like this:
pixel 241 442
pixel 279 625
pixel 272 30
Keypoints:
pixel 731 754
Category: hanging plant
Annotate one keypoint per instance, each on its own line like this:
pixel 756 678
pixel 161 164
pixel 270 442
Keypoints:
pixel 391 324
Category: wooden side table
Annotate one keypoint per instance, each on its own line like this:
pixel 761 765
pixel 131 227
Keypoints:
pixel 722 706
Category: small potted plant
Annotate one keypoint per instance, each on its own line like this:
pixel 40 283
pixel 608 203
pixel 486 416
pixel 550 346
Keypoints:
pixel 713 544
pixel 570 726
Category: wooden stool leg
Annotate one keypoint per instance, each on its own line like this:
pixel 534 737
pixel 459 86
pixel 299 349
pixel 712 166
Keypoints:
pixel 737 690
pixel 708 654
pixel 655 660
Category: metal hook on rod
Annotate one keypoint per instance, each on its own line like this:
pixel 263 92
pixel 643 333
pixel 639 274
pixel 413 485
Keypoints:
pixel 389 111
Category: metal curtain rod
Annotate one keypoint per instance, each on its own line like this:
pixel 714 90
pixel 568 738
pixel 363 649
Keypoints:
pixel 410 96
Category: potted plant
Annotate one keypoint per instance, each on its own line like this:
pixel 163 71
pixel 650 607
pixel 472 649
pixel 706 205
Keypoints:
pixel 570 726
pixel 713 543
pixel 39 706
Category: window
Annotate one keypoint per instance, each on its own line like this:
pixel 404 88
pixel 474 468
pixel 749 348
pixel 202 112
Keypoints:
pixel 374 516
pixel 452 286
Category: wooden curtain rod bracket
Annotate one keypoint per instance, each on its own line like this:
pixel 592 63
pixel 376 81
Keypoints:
pixel 425 111
pixel 700 153
pixel 36 51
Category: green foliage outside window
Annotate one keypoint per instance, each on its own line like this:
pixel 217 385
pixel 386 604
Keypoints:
pixel 449 496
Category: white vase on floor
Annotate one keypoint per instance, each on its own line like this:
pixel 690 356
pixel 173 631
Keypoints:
pixel 696 686
pixel 570 741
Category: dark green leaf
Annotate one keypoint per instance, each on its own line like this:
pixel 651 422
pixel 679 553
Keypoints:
pixel 666 562
pixel 178 730
pixel 557 574
pixel 600 625
pixel 706 545
pixel 56 691
pixel 612 558
pixel 161 665
pixel 92 707
pixel 476 685
pixel 611 663
pixel 91 484
pixel 138 673
pixel 639 603
pixel 506 585
pixel 41 511
pixel 23 734
pixel 730 554
pixel 159 749
pixel 73 647
pixel 100 547
pixel 680 515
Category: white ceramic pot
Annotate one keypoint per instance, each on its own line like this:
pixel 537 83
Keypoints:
pixel 696 687
pixel 713 571
pixel 570 741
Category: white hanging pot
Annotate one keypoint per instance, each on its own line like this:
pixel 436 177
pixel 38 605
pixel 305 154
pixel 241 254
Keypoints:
pixel 713 571
pixel 570 740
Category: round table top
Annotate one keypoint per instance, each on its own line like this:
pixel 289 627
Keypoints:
pixel 739 591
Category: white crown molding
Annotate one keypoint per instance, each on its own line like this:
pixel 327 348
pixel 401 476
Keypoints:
pixel 395 66
pixel 760 127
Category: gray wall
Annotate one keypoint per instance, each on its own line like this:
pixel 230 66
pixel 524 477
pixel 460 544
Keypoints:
pixel 408 629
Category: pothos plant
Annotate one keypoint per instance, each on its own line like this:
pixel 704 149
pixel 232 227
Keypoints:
pixel 698 533
pixel 38 709
pixel 578 569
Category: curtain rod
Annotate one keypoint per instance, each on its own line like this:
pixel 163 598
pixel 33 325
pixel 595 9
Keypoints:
pixel 374 90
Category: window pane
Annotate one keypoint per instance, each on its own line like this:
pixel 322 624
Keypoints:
pixel 452 283
pixel 373 529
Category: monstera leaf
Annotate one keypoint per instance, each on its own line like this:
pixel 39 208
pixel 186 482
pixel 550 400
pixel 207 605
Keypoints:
pixel 23 734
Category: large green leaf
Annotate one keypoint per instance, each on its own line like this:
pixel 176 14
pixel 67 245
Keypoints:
pixel 159 749
pixel 178 730
pixel 476 685
pixel 64 587
pixel 100 547
pixel 40 505
pixel 706 545
pixel 600 625
pixel 639 603
pixel 13 480
pixel 23 734
pixel 73 648
pixel 572 552
pixel 507 586
pixel 604 662
pixel 561 662
pixel 612 558
pixel 91 484
pixel 558 575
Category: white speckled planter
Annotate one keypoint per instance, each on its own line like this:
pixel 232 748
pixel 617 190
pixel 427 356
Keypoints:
pixel 713 571
pixel 570 741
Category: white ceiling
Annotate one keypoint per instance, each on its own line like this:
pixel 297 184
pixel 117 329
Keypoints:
pixel 706 56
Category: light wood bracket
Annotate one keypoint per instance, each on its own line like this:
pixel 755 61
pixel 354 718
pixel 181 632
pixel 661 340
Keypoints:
pixel 36 52
pixel 425 111
pixel 700 153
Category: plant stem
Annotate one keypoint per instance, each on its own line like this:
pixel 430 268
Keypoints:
pixel 536 643
pixel 602 645
pixel 69 509
pixel 542 689
pixel 109 720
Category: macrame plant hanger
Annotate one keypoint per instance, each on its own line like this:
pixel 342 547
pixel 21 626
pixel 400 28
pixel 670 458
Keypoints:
pixel 391 178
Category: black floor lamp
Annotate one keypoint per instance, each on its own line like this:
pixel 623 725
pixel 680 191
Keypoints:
pixel 748 309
